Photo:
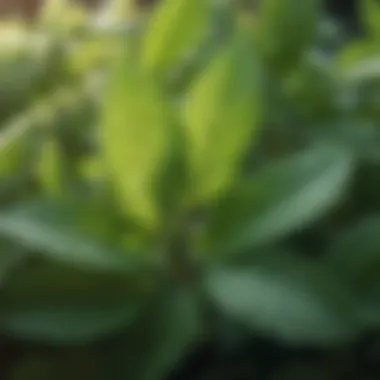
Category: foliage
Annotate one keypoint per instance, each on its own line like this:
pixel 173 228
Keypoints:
pixel 202 174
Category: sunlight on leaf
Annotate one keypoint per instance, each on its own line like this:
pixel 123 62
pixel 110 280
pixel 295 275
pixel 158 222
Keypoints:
pixel 221 115
pixel 135 132
pixel 177 27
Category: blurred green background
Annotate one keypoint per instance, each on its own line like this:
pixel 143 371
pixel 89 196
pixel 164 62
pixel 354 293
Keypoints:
pixel 189 189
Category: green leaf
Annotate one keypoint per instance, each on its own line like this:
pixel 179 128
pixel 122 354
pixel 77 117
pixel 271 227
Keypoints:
pixel 61 305
pixel 70 232
pixel 221 117
pixel 177 27
pixel 165 333
pixel 296 302
pixel 279 199
pixel 356 251
pixel 135 137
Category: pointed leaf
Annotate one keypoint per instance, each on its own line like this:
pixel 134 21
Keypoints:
pixel 135 132
pixel 220 115
pixel 176 28
pixel 280 198
pixel 163 336
pixel 297 303
pixel 61 305
pixel 65 232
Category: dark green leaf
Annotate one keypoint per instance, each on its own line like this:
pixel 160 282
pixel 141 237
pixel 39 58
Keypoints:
pixel 69 231
pixel 57 304
pixel 280 198
pixel 295 302
pixel 160 339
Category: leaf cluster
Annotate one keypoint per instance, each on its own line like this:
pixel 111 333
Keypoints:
pixel 201 173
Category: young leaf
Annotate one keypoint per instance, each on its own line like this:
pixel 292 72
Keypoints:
pixel 299 304
pixel 221 117
pixel 135 133
pixel 65 232
pixel 280 198
pixel 61 305
pixel 177 27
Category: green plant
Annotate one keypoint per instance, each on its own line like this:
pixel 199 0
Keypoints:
pixel 160 181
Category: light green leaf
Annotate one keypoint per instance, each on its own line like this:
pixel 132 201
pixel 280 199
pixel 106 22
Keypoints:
pixel 135 137
pixel 71 232
pixel 279 199
pixel 61 305
pixel 295 302
pixel 221 117
pixel 176 27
